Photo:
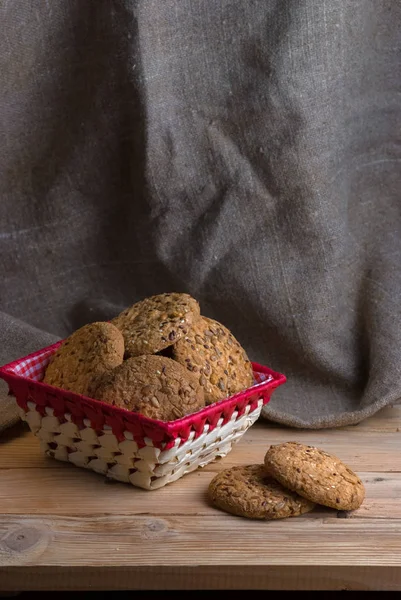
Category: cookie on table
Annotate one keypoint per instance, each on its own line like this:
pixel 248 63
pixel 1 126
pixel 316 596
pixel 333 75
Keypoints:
pixel 155 386
pixel 211 352
pixel 153 324
pixel 316 475
pixel 84 356
pixel 247 491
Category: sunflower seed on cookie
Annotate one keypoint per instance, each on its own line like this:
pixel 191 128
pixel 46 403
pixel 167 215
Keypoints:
pixel 247 491
pixel 211 352
pixel 316 475
pixel 154 386
pixel 153 324
pixel 84 356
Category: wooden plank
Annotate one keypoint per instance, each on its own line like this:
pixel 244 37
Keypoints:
pixel 135 541
pixel 115 536
pixel 73 491
pixel 362 450
pixel 212 577
pixel 19 448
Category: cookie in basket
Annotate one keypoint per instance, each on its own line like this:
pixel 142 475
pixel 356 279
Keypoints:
pixel 247 491
pixel 154 386
pixel 153 324
pixel 211 352
pixel 315 475
pixel 87 354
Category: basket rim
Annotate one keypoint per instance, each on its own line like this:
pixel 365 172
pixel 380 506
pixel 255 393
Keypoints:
pixel 8 374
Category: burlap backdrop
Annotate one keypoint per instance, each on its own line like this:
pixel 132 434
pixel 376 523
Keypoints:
pixel 245 151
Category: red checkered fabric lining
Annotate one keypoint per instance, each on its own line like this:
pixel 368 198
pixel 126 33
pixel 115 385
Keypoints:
pixel 34 366
pixel 261 377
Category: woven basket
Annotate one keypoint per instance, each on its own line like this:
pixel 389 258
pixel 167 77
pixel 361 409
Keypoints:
pixel 124 445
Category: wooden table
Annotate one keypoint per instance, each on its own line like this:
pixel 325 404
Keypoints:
pixel 64 528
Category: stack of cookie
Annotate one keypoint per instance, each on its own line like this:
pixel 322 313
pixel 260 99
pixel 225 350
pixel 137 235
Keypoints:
pixel 160 357
pixel 292 480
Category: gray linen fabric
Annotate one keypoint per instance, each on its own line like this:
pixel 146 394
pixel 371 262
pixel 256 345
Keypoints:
pixel 244 151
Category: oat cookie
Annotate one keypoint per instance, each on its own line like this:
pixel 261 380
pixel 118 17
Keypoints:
pixel 87 354
pixel 154 386
pixel 316 475
pixel 210 351
pixel 155 323
pixel 250 492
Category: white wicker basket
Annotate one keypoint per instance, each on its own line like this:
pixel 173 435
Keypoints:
pixel 127 446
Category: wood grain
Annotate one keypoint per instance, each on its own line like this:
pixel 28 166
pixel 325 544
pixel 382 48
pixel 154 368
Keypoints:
pixel 65 528
pixel 73 491
pixel 143 540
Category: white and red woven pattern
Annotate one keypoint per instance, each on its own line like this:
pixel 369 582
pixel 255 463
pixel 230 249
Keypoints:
pixel 124 445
